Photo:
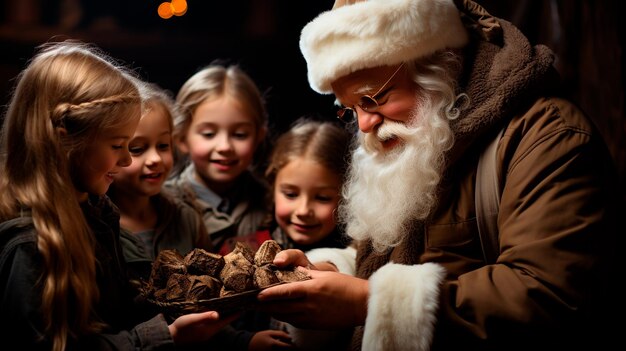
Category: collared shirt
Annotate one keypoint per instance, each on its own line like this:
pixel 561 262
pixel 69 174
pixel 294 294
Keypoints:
pixel 207 195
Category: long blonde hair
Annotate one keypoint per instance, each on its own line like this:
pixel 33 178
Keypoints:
pixel 76 87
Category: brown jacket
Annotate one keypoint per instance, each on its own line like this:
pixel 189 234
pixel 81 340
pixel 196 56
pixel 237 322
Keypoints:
pixel 557 222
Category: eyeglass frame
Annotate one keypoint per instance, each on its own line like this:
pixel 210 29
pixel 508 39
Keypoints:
pixel 371 98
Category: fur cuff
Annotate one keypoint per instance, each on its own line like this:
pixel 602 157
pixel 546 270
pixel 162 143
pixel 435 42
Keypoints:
pixel 344 259
pixel 402 307
pixel 376 33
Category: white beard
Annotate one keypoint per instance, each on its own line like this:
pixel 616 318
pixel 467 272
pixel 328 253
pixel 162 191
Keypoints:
pixel 387 191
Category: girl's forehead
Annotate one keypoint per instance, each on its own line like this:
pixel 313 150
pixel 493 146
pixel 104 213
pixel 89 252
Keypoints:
pixel 223 111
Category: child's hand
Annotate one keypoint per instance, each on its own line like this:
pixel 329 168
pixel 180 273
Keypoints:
pixel 270 340
pixel 197 327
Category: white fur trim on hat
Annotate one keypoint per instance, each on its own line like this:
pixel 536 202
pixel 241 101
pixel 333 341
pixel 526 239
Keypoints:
pixel 402 307
pixel 377 33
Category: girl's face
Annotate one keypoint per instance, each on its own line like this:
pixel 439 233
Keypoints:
pixel 306 195
pixel 221 141
pixel 151 151
pixel 103 159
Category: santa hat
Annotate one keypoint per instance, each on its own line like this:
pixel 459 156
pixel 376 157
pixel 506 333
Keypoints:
pixel 359 34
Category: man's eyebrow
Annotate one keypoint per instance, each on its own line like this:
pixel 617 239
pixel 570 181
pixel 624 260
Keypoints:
pixel 363 90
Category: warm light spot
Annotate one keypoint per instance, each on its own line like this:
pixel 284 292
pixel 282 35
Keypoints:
pixel 179 7
pixel 165 10
pixel 181 13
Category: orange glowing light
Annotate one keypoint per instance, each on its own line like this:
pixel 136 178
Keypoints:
pixel 180 13
pixel 179 7
pixel 165 10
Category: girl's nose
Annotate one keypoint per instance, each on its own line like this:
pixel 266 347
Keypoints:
pixel 224 143
pixel 154 157
pixel 304 208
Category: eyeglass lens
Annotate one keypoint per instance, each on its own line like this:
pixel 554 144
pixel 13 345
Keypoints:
pixel 366 102
pixel 346 114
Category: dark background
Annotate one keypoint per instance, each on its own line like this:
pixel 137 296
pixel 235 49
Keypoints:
pixel 262 37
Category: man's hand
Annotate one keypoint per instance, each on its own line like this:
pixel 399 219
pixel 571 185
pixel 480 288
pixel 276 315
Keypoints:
pixel 291 258
pixel 297 258
pixel 327 301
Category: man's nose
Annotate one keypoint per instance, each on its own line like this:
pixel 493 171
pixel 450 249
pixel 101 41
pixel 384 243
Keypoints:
pixel 368 120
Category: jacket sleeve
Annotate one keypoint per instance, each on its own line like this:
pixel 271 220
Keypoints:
pixel 150 335
pixel 556 238
pixel 20 299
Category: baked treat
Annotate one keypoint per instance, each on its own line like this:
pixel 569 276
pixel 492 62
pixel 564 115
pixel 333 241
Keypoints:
pixel 245 250
pixel 202 262
pixel 167 263
pixel 203 287
pixel 201 275
pixel 264 276
pixel 177 287
pixel 225 292
pixel 266 252
pixel 238 272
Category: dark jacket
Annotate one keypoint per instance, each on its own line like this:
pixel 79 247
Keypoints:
pixel 179 227
pixel 240 223
pixel 20 292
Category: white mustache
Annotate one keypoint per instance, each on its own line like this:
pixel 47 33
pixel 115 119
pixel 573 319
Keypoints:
pixel 388 130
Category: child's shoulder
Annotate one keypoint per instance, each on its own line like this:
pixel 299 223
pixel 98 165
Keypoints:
pixel 176 213
pixel 17 230
pixel 179 190
pixel 170 200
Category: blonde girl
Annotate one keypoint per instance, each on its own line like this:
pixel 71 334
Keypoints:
pixel 65 136
pixel 151 219
pixel 220 132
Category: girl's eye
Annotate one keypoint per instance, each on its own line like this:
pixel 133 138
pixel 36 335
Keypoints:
pixel 290 194
pixel 135 150
pixel 118 147
pixel 322 198
pixel 207 135
pixel 241 135
pixel 164 146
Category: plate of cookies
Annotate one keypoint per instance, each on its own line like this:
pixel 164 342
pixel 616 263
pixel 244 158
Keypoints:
pixel 203 281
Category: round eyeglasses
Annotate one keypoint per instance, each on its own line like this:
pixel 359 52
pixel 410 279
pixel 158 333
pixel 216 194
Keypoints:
pixel 368 103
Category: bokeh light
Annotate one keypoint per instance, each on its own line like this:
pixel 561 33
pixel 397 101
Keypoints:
pixel 165 10
pixel 172 8
pixel 179 7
